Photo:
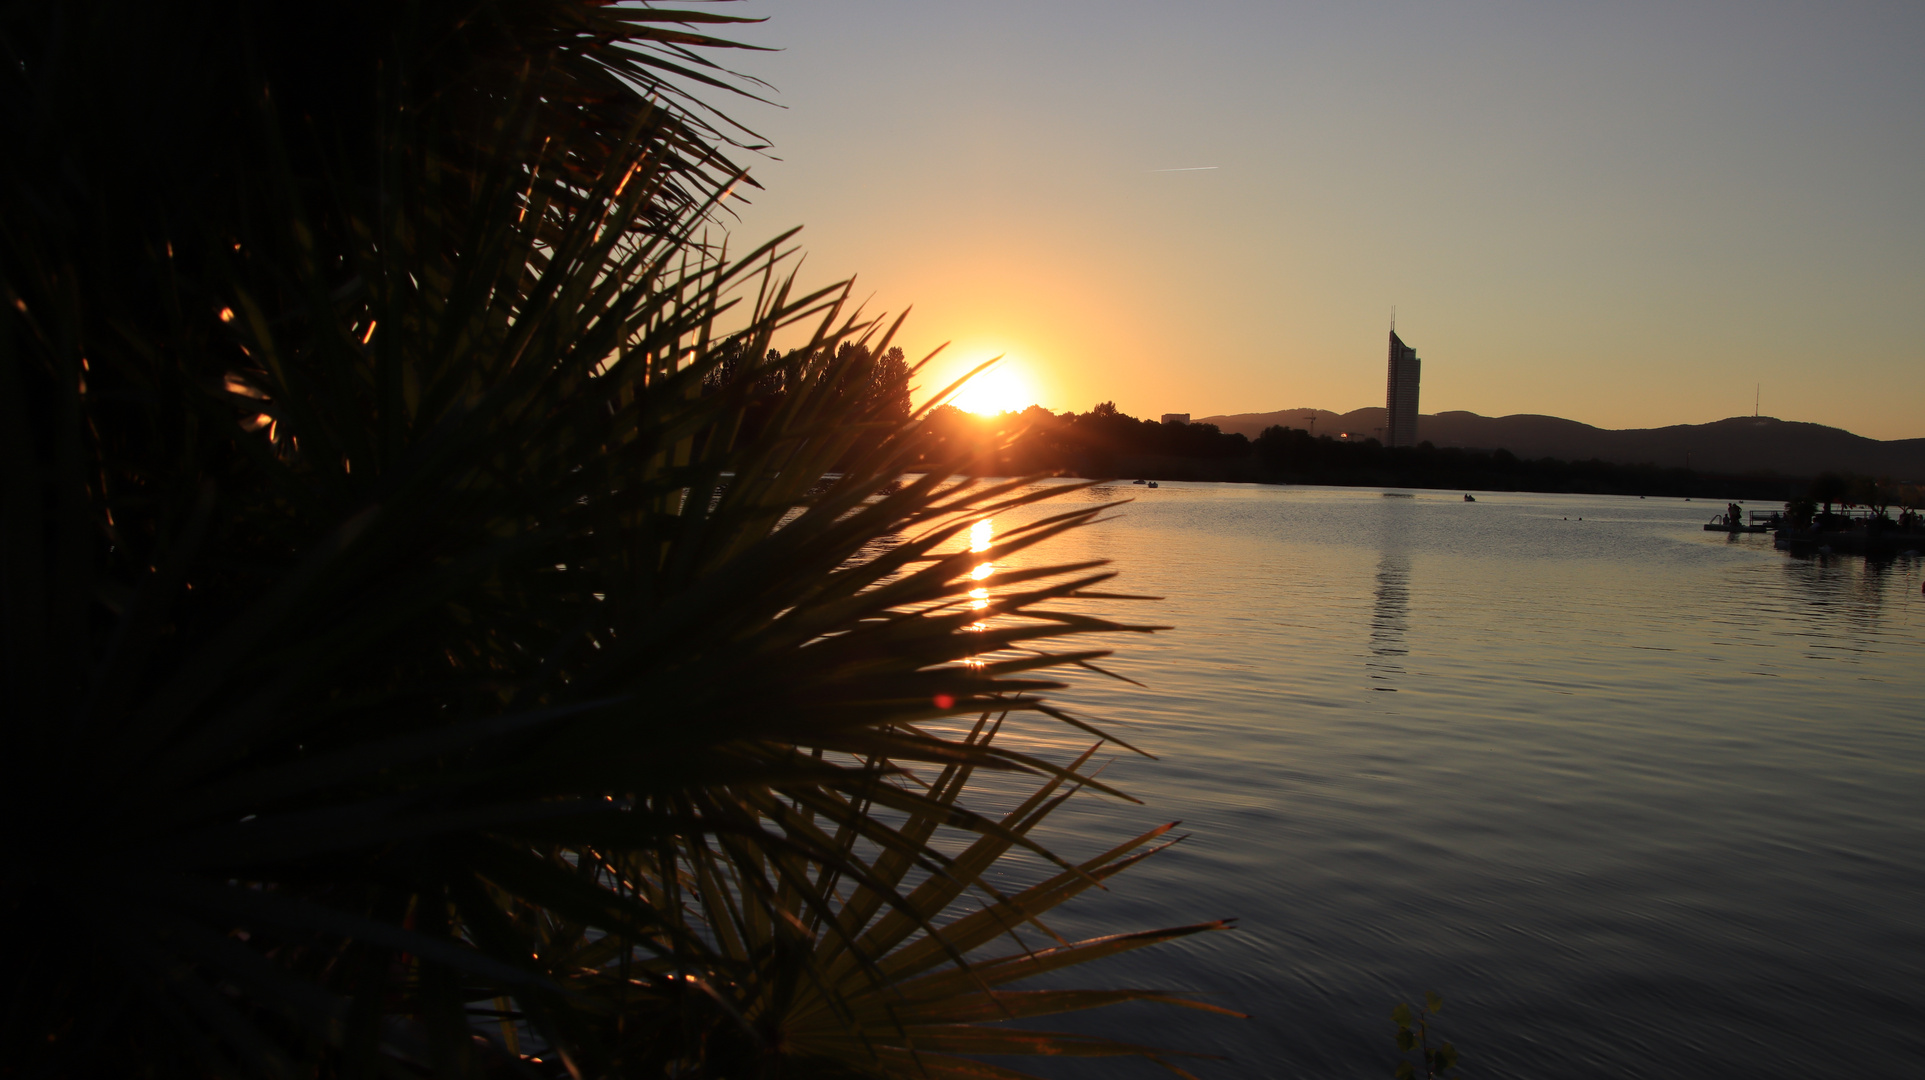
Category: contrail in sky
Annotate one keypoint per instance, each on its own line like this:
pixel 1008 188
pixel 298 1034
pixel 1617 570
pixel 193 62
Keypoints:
pixel 1192 168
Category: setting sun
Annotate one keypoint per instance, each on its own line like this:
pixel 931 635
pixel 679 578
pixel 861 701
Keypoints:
pixel 1000 389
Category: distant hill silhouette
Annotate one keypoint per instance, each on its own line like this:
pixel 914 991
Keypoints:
pixel 1741 445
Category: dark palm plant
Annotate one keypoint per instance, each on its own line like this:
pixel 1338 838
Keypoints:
pixel 412 662
pixel 144 115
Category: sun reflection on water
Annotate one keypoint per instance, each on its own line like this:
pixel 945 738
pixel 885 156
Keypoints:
pixel 980 535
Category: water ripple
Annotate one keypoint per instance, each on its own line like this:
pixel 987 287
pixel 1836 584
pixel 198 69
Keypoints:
pixel 1646 801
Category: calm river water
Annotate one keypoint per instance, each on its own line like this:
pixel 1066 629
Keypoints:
pixel 1637 799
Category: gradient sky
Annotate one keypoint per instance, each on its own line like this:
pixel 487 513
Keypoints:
pixel 1624 213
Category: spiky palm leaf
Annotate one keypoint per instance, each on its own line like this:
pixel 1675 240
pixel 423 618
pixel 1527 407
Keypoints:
pixel 845 979
pixel 849 950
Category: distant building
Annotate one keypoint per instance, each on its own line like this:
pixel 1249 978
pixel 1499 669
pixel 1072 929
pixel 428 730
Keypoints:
pixel 1176 418
pixel 1400 393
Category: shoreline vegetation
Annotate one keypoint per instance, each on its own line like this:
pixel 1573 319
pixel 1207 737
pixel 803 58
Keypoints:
pixel 1107 444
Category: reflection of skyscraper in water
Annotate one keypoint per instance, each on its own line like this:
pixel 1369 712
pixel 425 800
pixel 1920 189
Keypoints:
pixel 1400 393
pixel 1389 619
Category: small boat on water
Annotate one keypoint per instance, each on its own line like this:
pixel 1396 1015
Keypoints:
pixel 1468 498
pixel 1152 483
pixel 1733 521
pixel 1138 481
pixel 1398 495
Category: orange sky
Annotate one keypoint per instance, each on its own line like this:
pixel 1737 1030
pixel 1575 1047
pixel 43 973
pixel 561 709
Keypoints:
pixel 1629 215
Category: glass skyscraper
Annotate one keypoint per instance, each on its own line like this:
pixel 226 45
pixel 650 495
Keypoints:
pixel 1400 394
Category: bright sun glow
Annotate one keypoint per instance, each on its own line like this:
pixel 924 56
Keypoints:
pixel 1000 389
